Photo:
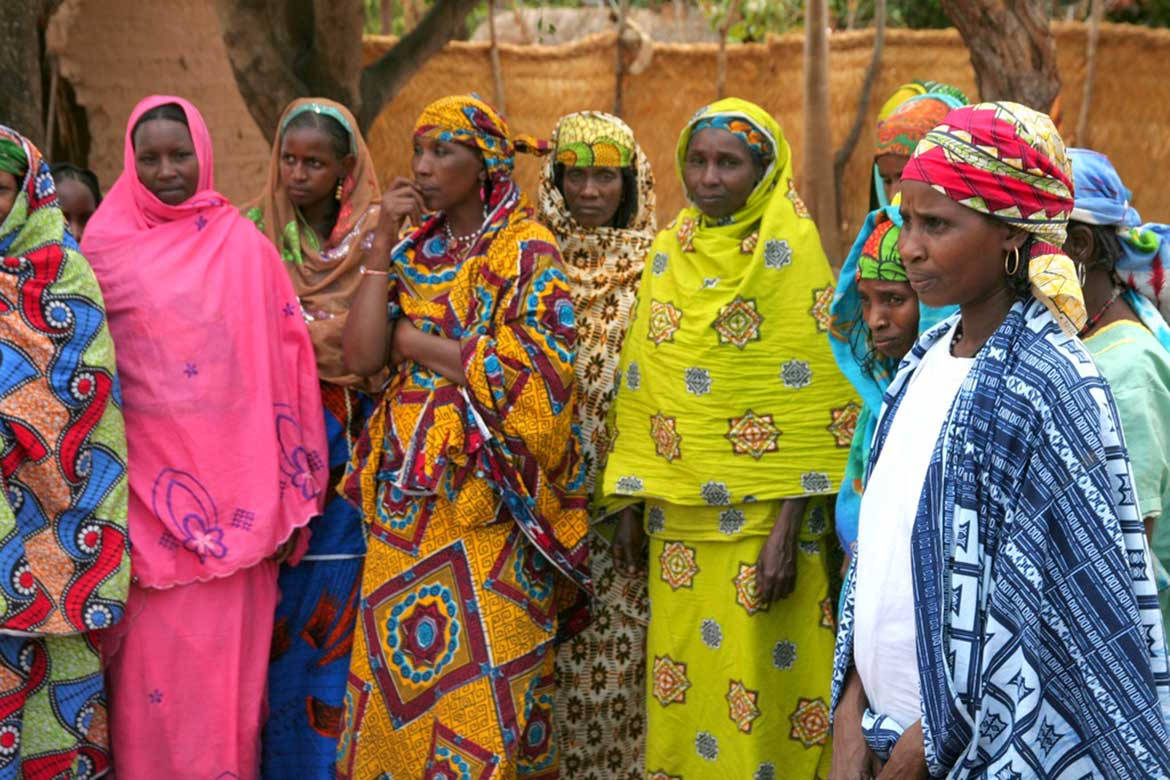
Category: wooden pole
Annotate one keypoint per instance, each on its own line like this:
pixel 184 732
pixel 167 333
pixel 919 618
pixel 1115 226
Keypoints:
pixel 721 59
pixel 841 159
pixel 1096 14
pixel 817 173
pixel 387 16
pixel 497 73
pixel 620 66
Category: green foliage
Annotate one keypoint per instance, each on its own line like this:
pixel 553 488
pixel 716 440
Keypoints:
pixel 1152 13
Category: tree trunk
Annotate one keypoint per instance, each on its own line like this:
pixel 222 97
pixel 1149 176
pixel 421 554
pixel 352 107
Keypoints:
pixel 841 159
pixel 619 71
pixel 721 59
pixel 22 98
pixel 386 16
pixel 1012 49
pixel 1096 13
pixel 817 170
pixel 497 72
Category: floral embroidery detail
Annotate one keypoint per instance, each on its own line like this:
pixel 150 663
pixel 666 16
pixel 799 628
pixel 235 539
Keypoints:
pixel 191 370
pixel 784 655
pixel 748 245
pixel 711 282
pixel 697 380
pixel 753 434
pixel 711 633
pixel 796 374
pixel 741 705
pixel 746 594
pixel 686 234
pixel 659 263
pixel 738 322
pixel 655 520
pixel 730 521
pixel 628 485
pixel 844 422
pixel 155 696
pixel 765 771
pixel 665 321
pixel 815 482
pixel 715 493
pixel 777 253
pixel 670 680
pixel 706 745
pixel 678 565
pixel 797 203
pixel 810 722
pixel 817 522
pixel 810 548
pixel 667 439
pixel 822 300
pixel 660 775
pixel 633 376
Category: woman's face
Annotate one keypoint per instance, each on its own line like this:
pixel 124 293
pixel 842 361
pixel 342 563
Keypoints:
pixel 448 174
pixel 592 194
pixel 719 171
pixel 890 170
pixel 77 204
pixel 164 157
pixel 890 309
pixel 310 167
pixel 953 255
pixel 9 188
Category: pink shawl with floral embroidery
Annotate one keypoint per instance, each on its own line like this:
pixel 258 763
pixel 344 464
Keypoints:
pixel 219 382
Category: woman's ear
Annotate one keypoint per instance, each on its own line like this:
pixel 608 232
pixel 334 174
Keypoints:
pixel 1014 239
pixel 348 163
pixel 1080 245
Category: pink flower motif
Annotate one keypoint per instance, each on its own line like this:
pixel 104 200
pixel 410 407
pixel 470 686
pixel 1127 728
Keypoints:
pixel 202 539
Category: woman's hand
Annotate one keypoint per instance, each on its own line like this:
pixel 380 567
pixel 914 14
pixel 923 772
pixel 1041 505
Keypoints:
pixel 908 758
pixel 402 201
pixel 776 566
pixel 284 551
pixel 852 758
pixel 629 541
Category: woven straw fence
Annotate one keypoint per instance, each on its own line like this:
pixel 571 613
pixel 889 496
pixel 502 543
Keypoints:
pixel 1129 119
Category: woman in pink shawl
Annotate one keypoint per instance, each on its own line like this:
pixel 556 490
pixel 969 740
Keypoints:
pixel 227 450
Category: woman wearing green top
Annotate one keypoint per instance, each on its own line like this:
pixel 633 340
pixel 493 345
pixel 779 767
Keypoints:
pixel 1123 262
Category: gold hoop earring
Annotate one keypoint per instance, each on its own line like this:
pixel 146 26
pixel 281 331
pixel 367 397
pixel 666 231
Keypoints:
pixel 1015 264
pixel 340 186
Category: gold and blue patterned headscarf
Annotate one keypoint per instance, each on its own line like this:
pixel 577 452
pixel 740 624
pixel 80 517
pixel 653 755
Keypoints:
pixel 594 138
pixel 468 120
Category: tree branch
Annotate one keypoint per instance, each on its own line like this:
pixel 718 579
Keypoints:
pixel 841 159
pixel 383 78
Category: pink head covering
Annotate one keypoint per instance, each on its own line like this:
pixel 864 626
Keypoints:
pixel 219 383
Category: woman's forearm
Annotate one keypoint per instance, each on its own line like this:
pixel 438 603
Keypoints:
pixel 366 341
pixel 438 353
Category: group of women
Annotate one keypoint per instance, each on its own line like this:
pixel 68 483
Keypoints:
pixel 432 481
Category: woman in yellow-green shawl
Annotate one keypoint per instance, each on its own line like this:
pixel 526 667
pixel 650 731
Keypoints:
pixel 732 428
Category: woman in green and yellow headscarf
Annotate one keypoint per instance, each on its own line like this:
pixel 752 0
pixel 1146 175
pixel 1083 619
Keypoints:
pixel 732 429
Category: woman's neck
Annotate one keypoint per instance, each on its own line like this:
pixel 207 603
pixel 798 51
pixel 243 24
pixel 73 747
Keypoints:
pixel 466 218
pixel 980 319
pixel 1100 306
pixel 322 217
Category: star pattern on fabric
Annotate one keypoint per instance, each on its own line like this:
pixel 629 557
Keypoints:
pixel 665 320
pixel 191 370
pixel 993 726
pixel 742 705
pixel 667 439
pixel 1049 736
pixel 844 423
pixel 678 565
pixel 796 374
pixel 810 722
pixel 753 434
pixel 822 300
pixel 200 222
pixel 670 681
pixel 289 310
pixel 738 322
pixel 777 253
pixel 746 594
pixel 1022 687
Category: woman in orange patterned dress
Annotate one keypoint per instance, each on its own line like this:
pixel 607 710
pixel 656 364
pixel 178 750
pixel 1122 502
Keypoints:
pixel 467 473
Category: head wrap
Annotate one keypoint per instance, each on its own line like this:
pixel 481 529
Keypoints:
pixel 874 256
pixel 879 259
pixel 323 107
pixel 603 266
pixel 901 131
pixel 12 158
pixel 202 310
pixel 468 120
pixel 593 138
pixel 1008 161
pixel 324 269
pixel 754 138
pixel 1102 199
pixel 730 390
pixel 63 509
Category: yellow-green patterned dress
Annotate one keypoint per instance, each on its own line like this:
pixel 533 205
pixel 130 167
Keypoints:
pixel 731 402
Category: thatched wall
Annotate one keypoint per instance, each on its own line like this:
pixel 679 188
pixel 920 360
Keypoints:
pixel 116 51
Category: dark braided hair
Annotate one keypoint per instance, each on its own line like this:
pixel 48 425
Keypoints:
pixel 67 170
pixel 338 136
pixel 628 206
pixel 170 111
